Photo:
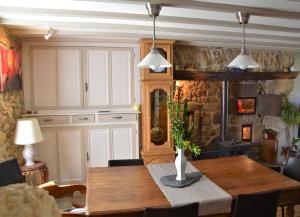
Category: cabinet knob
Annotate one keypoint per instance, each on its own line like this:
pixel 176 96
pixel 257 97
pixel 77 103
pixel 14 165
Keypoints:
pixel 83 119
pixel 117 117
pixel 48 119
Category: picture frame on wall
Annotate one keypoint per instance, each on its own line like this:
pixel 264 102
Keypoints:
pixel 247 132
pixel 246 105
pixel 10 69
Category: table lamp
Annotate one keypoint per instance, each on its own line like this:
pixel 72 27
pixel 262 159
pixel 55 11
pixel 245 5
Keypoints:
pixel 28 132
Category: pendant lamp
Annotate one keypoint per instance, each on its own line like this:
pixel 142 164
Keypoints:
pixel 154 60
pixel 243 60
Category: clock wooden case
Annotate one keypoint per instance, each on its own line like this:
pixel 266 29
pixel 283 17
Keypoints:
pixel 155 90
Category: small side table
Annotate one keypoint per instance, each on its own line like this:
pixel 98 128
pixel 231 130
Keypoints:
pixel 37 174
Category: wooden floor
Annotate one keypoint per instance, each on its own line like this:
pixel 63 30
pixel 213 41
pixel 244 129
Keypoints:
pixel 297 211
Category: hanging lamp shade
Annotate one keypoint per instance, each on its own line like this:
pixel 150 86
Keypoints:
pixel 154 60
pixel 243 60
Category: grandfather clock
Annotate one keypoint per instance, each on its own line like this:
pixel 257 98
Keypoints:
pixel 155 89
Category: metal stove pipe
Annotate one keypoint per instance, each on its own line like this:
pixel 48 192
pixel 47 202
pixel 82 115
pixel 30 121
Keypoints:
pixel 224 110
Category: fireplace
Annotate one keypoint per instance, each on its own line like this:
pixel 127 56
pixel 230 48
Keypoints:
pixel 247 132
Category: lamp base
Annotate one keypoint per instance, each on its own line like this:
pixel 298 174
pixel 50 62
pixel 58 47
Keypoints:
pixel 28 153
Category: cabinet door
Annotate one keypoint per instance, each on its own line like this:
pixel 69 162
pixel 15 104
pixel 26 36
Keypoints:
pixel 46 151
pixel 98 140
pixel 70 154
pixel 69 68
pixel 44 77
pixel 97 78
pixel 123 142
pixel 121 77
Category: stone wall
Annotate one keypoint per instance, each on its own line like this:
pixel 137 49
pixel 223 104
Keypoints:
pixel 204 101
pixel 11 105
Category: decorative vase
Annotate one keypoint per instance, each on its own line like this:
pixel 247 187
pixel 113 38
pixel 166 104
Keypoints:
pixel 180 164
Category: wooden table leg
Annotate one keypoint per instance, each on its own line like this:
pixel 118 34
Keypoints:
pixel 290 211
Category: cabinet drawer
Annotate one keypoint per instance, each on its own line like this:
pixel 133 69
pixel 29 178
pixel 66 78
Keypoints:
pixel 77 119
pixel 117 117
pixel 53 119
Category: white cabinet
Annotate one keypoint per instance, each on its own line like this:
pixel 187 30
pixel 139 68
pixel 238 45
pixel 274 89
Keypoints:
pixel 69 70
pixel 97 78
pixel 121 77
pixel 63 152
pixel 70 154
pixel 44 77
pixel 117 141
pixel 80 77
pixel 46 151
pixel 109 77
pixel 98 146
pixel 57 77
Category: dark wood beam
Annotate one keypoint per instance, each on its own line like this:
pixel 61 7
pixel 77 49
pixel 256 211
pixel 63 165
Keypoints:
pixel 233 75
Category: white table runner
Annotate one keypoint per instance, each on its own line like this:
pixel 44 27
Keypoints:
pixel 211 198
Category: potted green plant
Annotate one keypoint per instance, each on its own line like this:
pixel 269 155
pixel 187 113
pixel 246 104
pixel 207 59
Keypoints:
pixel 181 132
pixel 269 133
pixel 290 115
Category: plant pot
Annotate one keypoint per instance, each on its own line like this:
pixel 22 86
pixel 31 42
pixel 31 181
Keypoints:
pixel 180 164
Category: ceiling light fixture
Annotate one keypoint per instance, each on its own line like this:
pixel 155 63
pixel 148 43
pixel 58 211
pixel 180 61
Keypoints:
pixel 49 34
pixel 154 60
pixel 243 60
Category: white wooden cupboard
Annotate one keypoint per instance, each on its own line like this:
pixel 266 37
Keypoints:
pixel 72 144
pixel 81 77
pixel 63 152
pixel 82 95
pixel 111 142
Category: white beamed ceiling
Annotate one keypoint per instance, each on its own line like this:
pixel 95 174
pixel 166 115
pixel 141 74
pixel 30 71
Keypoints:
pixel 274 24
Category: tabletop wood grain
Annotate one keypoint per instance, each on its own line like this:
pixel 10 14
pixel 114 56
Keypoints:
pixel 123 190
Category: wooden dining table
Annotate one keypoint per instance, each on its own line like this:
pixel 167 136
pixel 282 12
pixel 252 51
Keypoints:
pixel 127 191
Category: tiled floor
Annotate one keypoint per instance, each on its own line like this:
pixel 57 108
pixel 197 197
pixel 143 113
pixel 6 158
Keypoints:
pixel 297 211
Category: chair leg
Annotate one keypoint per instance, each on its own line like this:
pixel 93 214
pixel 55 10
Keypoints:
pixel 282 211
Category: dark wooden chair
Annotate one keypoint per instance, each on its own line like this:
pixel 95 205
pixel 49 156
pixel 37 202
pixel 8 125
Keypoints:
pixel 207 155
pixel 10 173
pixel 292 168
pixel 190 210
pixel 125 162
pixel 258 205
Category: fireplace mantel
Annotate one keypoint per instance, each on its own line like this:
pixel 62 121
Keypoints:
pixel 236 75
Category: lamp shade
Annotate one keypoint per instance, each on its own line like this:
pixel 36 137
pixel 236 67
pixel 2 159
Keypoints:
pixel 243 61
pixel 154 60
pixel 28 132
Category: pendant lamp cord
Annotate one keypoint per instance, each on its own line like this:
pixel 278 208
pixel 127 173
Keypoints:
pixel 154 34
pixel 244 40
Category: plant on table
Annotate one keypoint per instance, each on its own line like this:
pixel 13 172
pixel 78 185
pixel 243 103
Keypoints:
pixel 181 130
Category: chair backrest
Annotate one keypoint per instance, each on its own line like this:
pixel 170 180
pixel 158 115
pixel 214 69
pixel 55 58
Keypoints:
pixel 10 173
pixel 258 205
pixel 207 155
pixel 125 162
pixel 190 210
pixel 292 168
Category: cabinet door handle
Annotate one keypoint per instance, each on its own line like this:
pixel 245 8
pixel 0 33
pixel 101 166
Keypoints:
pixel 87 156
pixel 117 117
pixel 48 119
pixel 83 119
pixel 86 87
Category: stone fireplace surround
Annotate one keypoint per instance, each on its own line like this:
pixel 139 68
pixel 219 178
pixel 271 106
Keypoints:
pixel 204 97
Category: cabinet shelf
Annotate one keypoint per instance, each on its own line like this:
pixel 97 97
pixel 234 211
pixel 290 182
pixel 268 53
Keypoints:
pixel 231 75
